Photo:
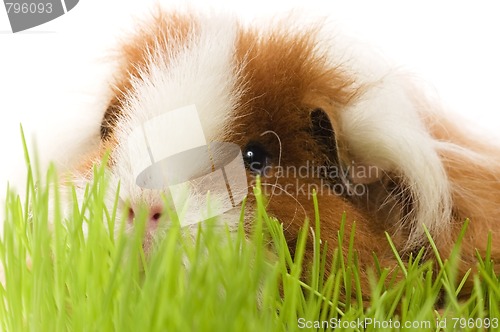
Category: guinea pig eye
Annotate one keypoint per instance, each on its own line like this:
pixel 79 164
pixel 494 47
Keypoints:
pixel 255 157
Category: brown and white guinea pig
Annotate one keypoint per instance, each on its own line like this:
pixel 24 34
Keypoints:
pixel 293 99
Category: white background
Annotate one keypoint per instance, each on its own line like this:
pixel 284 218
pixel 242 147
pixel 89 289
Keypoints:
pixel 50 75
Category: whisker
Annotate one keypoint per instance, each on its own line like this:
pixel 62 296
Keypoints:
pixel 279 159
pixel 275 186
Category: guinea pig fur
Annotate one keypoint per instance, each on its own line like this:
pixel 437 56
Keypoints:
pixel 290 97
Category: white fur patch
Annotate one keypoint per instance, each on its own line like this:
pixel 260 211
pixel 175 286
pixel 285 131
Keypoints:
pixel 384 129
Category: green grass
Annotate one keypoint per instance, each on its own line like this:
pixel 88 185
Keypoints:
pixel 59 277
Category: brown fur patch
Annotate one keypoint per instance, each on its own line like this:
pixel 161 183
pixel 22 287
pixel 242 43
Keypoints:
pixel 475 184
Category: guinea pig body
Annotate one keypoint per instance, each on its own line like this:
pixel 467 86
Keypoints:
pixel 305 118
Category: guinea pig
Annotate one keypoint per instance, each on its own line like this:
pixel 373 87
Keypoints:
pixel 306 114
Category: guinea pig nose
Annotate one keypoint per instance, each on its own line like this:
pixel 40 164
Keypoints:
pixel 154 214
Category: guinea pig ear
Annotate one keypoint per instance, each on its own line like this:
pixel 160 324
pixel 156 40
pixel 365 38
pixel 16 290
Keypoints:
pixel 352 172
pixel 322 131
